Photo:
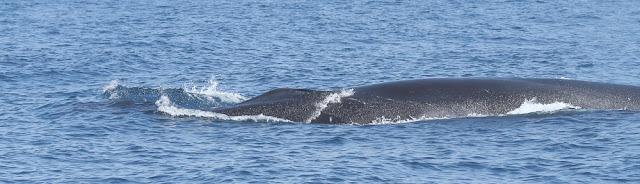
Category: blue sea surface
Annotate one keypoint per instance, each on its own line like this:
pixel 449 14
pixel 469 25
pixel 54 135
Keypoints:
pixel 59 60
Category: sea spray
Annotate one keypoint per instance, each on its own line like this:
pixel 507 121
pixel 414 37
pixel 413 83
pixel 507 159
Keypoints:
pixel 211 90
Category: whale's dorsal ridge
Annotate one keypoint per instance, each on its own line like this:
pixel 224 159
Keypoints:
pixel 286 103
pixel 434 98
pixel 287 95
pixel 287 90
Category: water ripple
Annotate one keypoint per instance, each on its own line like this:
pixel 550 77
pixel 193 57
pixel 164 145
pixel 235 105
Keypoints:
pixel 58 125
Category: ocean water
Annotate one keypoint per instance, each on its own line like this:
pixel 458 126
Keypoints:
pixel 118 91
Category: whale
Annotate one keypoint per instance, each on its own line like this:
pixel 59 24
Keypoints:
pixel 434 98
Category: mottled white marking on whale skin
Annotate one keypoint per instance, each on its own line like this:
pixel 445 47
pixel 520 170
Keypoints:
pixel 331 98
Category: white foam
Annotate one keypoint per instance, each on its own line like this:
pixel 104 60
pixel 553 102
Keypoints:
pixel 565 78
pixel 112 85
pixel 531 106
pixel 211 91
pixel 384 121
pixel 109 89
pixel 476 115
pixel 329 99
pixel 166 106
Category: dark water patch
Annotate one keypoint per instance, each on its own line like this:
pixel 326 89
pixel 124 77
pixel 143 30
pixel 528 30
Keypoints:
pixel 421 165
pixel 115 180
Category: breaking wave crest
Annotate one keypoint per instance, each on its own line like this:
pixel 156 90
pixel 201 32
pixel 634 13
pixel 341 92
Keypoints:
pixel 166 106
pixel 211 90
pixel 204 97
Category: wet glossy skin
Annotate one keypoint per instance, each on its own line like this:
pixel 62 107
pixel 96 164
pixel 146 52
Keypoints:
pixel 437 98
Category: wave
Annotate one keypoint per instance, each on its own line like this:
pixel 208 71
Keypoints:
pixel 165 105
pixel 211 90
pixel 205 97
pixel 112 85
pixel 189 101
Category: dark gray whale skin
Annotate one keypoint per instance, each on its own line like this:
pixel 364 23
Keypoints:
pixel 436 98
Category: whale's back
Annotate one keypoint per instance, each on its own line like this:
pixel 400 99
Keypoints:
pixel 436 98
pixel 287 103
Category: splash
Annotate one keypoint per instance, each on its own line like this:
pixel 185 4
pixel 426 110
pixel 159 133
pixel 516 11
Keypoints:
pixel 205 96
pixel 109 90
pixel 211 90
pixel 531 106
pixel 165 105
pixel 111 86
pixel 331 98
